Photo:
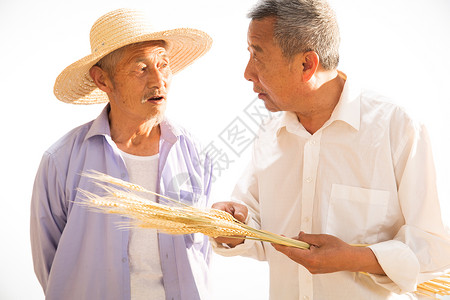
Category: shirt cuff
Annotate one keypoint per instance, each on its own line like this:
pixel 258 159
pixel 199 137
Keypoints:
pixel 400 265
pixel 225 250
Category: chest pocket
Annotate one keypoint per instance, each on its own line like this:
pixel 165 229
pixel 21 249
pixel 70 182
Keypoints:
pixel 356 214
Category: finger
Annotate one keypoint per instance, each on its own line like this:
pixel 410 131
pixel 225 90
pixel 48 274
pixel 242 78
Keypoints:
pixel 231 242
pixel 240 213
pixel 225 206
pixel 220 205
pixel 279 248
pixel 223 240
pixel 312 239
pixel 293 253
pixel 237 210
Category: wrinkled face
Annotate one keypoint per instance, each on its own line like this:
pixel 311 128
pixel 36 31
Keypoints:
pixel 140 82
pixel 274 77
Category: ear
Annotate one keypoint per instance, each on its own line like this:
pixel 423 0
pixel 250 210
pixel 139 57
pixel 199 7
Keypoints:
pixel 310 65
pixel 101 78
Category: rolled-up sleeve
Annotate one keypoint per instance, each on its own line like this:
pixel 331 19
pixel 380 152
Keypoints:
pixel 420 250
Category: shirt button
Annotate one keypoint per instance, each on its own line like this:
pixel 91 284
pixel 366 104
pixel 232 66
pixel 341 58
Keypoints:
pixel 305 298
pixel 124 259
pixel 306 219
pixel 308 179
pixel 312 142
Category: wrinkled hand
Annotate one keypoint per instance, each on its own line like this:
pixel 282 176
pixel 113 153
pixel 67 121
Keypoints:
pixel 239 212
pixel 329 254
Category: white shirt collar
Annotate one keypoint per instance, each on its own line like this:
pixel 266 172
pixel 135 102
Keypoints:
pixel 347 110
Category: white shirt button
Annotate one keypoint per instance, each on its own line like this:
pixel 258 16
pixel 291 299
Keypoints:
pixel 308 179
pixel 305 298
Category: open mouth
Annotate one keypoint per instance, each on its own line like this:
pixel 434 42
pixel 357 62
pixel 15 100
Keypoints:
pixel 153 99
pixel 156 98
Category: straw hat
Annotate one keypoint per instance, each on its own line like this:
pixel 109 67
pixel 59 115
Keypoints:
pixel 115 30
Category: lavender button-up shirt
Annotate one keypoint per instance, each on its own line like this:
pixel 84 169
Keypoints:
pixel 81 254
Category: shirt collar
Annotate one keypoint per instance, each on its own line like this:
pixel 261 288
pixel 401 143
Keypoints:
pixel 100 126
pixel 347 109
pixel 289 121
pixel 169 130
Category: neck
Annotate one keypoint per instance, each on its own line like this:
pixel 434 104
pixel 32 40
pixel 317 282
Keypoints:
pixel 136 137
pixel 325 92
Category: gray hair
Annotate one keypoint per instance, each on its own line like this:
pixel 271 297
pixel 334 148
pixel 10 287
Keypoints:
pixel 301 26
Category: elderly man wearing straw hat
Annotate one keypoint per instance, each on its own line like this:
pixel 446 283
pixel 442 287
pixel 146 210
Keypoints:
pixel 81 254
pixel 339 165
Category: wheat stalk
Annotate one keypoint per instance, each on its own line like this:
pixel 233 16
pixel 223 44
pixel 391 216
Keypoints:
pixel 175 217
pixel 439 286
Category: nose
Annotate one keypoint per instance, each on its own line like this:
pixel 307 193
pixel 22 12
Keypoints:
pixel 249 72
pixel 156 79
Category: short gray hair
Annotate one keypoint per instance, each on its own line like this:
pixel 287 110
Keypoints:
pixel 301 26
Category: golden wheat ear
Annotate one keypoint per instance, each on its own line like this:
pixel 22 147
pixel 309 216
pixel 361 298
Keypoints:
pixel 174 217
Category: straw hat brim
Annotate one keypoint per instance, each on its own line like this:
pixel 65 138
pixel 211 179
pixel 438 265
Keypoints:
pixel 75 85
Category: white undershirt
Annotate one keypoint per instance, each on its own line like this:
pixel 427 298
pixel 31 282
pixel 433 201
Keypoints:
pixel 146 279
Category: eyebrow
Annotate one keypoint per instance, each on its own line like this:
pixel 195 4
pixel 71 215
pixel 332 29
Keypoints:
pixel 142 59
pixel 257 48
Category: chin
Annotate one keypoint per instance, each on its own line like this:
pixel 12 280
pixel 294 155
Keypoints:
pixel 271 107
pixel 157 116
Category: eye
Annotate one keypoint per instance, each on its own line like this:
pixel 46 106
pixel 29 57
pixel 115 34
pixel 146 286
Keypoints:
pixel 141 67
pixel 163 65
pixel 252 55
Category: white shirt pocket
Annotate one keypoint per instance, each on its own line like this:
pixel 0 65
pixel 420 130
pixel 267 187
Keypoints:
pixel 356 214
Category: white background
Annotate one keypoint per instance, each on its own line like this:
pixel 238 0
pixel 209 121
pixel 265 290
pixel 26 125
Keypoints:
pixel 398 47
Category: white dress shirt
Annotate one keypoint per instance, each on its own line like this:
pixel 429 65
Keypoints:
pixel 367 176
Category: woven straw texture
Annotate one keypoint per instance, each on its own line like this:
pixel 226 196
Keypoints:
pixel 117 29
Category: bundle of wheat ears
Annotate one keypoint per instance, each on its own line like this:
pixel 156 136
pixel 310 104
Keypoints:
pixel 174 217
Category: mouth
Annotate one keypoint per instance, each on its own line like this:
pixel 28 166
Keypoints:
pixel 262 96
pixel 154 99
pixel 261 93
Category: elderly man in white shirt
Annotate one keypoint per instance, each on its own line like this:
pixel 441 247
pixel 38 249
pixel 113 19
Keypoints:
pixel 340 165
